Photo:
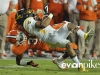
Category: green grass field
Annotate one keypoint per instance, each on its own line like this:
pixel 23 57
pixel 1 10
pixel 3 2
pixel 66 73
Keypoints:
pixel 46 67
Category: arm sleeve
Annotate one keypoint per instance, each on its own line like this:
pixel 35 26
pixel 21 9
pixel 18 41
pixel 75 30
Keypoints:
pixel 80 6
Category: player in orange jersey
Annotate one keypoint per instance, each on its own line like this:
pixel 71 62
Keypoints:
pixel 87 18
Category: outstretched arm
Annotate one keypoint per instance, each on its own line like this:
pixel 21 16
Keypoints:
pixel 21 62
pixel 33 22
pixel 44 23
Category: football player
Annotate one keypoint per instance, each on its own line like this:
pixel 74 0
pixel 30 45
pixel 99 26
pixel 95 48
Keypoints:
pixel 56 37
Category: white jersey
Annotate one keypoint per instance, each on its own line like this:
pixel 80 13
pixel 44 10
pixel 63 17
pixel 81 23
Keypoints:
pixel 52 37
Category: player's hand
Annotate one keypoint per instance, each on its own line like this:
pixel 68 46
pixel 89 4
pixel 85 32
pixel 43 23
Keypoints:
pixel 33 64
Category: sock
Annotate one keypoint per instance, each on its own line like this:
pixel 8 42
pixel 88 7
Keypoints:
pixel 75 59
pixel 65 55
pixel 10 50
pixel 81 33
pixel 23 63
pixel 61 58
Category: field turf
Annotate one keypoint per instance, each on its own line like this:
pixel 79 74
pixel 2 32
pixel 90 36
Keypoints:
pixel 46 67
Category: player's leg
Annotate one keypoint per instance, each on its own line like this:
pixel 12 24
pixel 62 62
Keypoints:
pixel 77 29
pixel 69 52
pixel 73 56
pixel 67 28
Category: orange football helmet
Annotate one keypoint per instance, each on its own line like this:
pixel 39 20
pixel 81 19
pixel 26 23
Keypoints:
pixel 16 37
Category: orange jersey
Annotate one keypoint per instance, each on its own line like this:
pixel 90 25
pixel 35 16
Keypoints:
pixel 55 6
pixel 86 10
pixel 11 20
pixel 29 44
pixel 36 4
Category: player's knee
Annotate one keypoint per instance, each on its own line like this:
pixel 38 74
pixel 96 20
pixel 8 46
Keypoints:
pixel 71 26
pixel 68 45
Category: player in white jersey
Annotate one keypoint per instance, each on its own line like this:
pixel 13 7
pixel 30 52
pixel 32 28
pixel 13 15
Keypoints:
pixel 49 35
pixel 56 37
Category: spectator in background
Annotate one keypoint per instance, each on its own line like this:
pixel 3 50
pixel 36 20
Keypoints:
pixel 36 5
pixel 21 4
pixel 87 18
pixel 5 11
pixel 96 47
pixel 11 18
pixel 73 18
pixel 57 8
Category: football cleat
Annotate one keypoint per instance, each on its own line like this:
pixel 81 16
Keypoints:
pixel 82 68
pixel 33 64
pixel 88 36
pixel 59 63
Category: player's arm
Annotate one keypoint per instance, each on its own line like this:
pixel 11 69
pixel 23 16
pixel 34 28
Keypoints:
pixel 45 5
pixel 45 2
pixel 45 22
pixel 12 6
pixel 20 4
pixel 21 62
pixel 27 4
pixel 31 23
pixel 65 5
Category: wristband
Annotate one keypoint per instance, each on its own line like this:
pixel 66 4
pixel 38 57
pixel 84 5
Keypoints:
pixel 50 15
pixel 13 10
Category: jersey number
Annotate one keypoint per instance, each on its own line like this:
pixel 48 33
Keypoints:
pixel 58 1
pixel 32 40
